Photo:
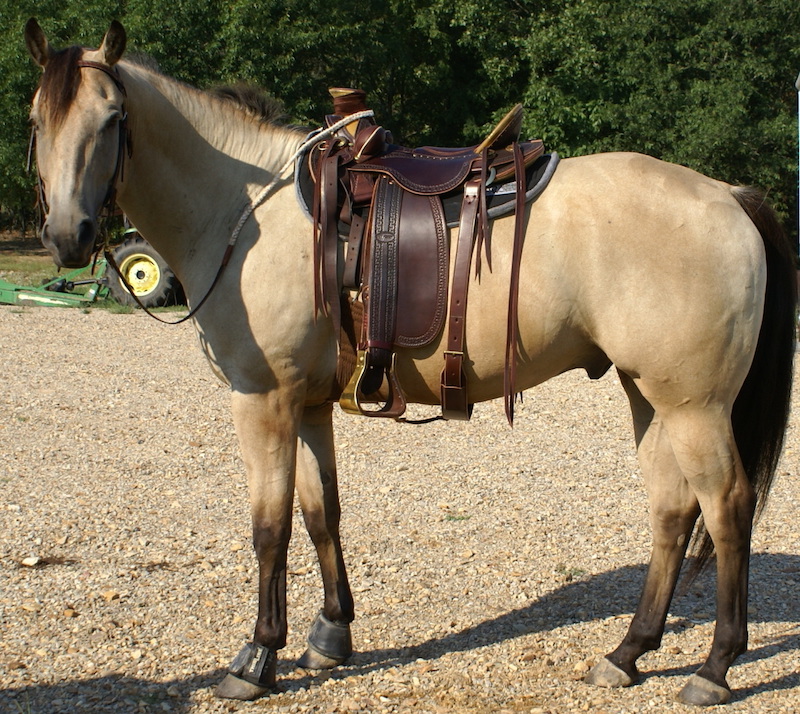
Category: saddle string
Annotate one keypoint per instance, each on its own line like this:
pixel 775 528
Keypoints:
pixel 512 328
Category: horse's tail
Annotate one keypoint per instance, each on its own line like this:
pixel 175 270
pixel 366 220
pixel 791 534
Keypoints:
pixel 761 410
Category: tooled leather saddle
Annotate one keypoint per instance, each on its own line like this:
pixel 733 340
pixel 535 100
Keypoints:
pixel 392 206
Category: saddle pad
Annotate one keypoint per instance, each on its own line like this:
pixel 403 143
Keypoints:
pixel 500 198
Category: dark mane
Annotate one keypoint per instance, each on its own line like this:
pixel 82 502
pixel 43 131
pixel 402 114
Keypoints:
pixel 254 101
pixel 60 82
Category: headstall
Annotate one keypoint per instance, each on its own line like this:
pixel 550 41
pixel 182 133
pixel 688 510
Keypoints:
pixel 125 146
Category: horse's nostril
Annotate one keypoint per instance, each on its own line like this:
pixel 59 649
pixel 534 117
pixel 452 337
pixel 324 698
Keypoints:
pixel 86 232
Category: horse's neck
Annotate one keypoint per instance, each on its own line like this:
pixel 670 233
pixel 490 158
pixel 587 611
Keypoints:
pixel 196 163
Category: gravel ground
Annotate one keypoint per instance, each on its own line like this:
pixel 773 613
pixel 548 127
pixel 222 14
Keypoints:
pixel 491 567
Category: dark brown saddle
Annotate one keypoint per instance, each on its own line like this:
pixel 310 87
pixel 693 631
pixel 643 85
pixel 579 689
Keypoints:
pixel 388 202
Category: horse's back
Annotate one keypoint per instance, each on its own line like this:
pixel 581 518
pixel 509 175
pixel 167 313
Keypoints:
pixel 627 260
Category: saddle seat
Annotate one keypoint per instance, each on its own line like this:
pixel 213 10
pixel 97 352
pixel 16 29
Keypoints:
pixel 388 200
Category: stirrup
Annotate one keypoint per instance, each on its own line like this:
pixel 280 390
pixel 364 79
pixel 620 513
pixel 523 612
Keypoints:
pixel 395 405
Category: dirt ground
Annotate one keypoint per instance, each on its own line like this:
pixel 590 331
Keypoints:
pixel 491 567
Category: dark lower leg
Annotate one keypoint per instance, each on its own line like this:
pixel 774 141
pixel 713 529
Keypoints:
pixel 647 627
pixel 271 626
pixel 730 633
pixel 318 491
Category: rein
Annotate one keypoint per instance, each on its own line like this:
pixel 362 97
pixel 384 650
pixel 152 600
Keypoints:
pixel 126 142
pixel 316 138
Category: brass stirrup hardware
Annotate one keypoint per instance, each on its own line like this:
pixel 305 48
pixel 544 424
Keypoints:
pixel 350 402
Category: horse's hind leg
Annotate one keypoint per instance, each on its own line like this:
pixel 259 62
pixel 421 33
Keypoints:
pixel 329 642
pixel 673 512
pixel 706 451
pixel 703 447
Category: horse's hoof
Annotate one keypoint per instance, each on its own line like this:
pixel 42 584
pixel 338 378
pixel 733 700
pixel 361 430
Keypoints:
pixel 315 660
pixel 329 644
pixel 251 674
pixel 606 674
pixel 703 693
pixel 232 687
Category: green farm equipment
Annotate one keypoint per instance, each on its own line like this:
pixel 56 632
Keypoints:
pixel 59 291
pixel 145 271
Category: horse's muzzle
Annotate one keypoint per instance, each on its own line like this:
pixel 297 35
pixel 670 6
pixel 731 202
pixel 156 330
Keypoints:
pixel 70 248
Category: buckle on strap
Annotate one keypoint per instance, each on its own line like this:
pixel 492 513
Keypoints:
pixel 255 664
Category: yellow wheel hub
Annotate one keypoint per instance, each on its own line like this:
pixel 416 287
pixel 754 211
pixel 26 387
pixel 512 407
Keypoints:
pixel 141 272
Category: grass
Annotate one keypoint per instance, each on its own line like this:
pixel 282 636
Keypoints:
pixel 26 708
pixel 570 573
pixel 30 270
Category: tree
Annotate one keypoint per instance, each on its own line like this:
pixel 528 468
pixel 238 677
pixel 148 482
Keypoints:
pixel 697 82
pixel 705 83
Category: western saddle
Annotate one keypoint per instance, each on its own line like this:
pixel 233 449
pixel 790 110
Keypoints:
pixel 386 201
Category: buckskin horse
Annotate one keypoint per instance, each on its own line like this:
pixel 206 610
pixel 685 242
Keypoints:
pixel 684 283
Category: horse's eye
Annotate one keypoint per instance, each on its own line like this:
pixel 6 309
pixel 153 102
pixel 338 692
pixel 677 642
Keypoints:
pixel 111 122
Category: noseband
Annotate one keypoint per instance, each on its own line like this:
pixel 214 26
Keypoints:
pixel 125 146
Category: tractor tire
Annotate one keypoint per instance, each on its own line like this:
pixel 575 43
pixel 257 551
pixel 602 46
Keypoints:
pixel 146 272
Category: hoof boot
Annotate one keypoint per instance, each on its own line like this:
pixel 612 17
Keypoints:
pixel 606 674
pixel 703 692
pixel 251 674
pixel 329 644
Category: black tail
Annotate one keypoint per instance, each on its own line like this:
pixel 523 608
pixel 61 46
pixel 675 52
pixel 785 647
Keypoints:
pixel 761 410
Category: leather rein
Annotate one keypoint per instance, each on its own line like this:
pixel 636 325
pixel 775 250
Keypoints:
pixel 126 143
pixel 125 147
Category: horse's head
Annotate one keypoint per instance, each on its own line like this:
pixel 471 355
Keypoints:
pixel 78 120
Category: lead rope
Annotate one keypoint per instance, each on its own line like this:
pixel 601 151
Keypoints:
pixel 251 206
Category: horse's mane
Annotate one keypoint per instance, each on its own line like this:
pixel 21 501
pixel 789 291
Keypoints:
pixel 59 84
pixel 62 78
pixel 254 101
pixel 144 60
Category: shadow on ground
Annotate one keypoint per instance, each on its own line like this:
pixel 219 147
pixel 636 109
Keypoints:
pixel 597 597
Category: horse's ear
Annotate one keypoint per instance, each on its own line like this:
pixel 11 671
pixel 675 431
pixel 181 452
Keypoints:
pixel 37 43
pixel 113 43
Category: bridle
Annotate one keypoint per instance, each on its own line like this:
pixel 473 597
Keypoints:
pixel 124 147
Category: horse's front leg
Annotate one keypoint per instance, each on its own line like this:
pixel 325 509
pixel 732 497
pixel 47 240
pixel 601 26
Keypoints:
pixel 329 642
pixel 267 428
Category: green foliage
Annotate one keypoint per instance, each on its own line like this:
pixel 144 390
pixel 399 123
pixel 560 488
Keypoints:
pixel 705 83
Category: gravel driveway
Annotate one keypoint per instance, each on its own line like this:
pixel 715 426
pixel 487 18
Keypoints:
pixel 491 567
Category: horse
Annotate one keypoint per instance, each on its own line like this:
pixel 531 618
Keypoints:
pixel 685 284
